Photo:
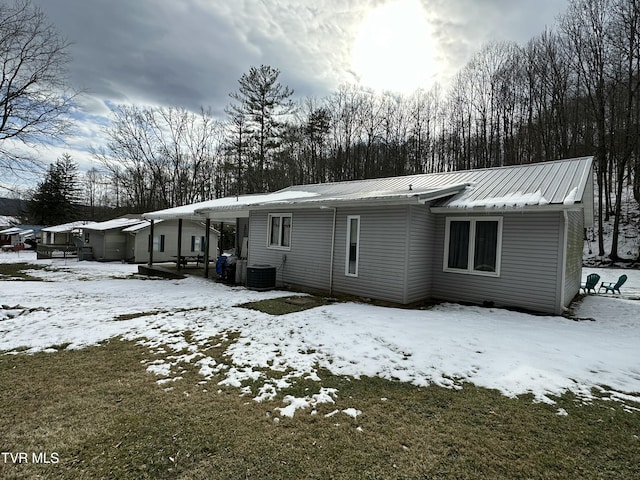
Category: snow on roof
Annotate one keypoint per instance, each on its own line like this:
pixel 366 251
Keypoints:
pixel 196 210
pixel 21 229
pixel 8 220
pixel 560 182
pixel 11 230
pixel 121 222
pixel 68 227
pixel 139 226
pixel 536 184
pixel 517 199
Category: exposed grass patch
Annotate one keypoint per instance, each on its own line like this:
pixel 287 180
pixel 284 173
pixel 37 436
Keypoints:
pixel 106 417
pixel 18 271
pixel 131 316
pixel 284 305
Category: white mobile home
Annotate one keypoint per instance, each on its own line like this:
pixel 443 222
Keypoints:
pixel 165 240
pixel 107 240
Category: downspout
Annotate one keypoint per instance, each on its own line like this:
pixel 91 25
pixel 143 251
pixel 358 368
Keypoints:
pixel 333 243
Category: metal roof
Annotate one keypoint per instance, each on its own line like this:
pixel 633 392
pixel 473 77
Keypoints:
pixel 548 182
pixel 560 182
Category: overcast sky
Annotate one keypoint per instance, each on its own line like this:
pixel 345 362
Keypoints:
pixel 191 53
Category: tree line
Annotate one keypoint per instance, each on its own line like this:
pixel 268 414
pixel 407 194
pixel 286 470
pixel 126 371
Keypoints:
pixel 572 90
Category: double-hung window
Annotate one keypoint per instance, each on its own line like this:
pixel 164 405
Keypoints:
pixel 473 245
pixel 279 231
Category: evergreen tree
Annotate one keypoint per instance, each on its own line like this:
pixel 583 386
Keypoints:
pixel 56 200
pixel 261 101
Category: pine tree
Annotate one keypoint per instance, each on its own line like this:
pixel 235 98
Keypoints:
pixel 56 200
pixel 261 101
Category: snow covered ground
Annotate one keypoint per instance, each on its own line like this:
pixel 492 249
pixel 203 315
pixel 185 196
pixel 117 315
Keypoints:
pixel 83 303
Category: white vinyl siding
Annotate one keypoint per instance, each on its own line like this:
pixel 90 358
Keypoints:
pixel 353 246
pixel 279 235
pixel 473 245
pixel 158 243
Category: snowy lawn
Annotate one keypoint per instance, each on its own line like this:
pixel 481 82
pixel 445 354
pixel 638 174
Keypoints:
pixel 84 303
pixel 104 374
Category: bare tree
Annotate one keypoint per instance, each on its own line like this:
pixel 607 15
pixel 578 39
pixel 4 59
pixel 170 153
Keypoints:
pixel 34 96
pixel 161 157
pixel 585 26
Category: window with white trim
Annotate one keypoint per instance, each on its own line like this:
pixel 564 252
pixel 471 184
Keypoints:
pixel 353 246
pixel 473 245
pixel 279 231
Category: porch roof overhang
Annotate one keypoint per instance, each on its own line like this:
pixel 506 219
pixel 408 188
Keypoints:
pixel 230 208
pixel 313 200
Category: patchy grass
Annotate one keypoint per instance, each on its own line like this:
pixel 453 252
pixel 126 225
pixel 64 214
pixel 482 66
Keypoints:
pixel 150 313
pixel 18 271
pixel 106 417
pixel 284 305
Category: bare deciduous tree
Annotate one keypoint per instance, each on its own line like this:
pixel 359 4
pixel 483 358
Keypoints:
pixel 34 95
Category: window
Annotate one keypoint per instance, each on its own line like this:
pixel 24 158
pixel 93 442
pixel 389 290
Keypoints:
pixel 158 243
pixel 353 246
pixel 473 245
pixel 279 234
pixel 197 244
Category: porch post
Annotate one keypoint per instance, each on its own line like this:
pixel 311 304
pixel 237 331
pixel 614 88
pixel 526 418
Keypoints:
pixel 178 262
pixel 151 227
pixel 207 227
pixel 220 239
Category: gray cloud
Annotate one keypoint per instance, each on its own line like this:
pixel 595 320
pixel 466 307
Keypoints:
pixel 191 53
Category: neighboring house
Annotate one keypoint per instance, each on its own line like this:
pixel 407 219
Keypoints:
pixel 509 236
pixel 21 233
pixel 63 234
pixel 61 239
pixel 6 222
pixel 107 240
pixel 165 240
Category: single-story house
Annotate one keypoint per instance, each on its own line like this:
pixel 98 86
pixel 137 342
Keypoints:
pixel 63 234
pixel 63 238
pixel 6 222
pixel 165 240
pixel 19 234
pixel 107 240
pixel 507 236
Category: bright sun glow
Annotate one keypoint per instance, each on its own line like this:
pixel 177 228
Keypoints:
pixel 394 49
